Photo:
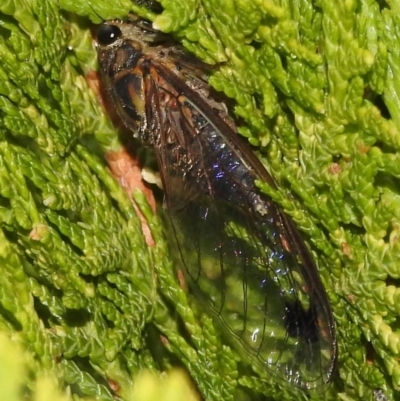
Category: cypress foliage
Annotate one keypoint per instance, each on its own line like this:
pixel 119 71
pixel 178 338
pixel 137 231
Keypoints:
pixel 316 90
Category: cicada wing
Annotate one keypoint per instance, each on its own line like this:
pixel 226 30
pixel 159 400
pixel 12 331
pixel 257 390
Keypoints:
pixel 244 266
pixel 253 293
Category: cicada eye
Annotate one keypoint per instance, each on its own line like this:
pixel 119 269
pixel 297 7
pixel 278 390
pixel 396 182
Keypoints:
pixel 108 34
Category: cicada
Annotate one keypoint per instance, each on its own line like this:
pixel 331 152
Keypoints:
pixel 243 257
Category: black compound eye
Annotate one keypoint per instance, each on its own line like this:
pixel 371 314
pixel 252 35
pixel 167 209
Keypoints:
pixel 108 34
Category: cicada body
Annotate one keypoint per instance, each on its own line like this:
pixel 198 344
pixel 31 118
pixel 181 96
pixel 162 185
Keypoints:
pixel 242 255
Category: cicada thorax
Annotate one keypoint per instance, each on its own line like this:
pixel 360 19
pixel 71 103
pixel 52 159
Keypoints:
pixel 242 256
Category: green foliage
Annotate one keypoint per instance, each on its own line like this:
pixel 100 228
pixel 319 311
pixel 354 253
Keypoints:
pixel 317 87
pixel 15 365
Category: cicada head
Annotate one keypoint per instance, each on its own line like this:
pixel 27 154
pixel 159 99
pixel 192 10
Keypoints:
pixel 117 47
pixel 121 47
pixel 120 43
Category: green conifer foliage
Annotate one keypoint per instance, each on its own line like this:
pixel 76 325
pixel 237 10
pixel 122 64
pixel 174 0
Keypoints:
pixel 316 86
